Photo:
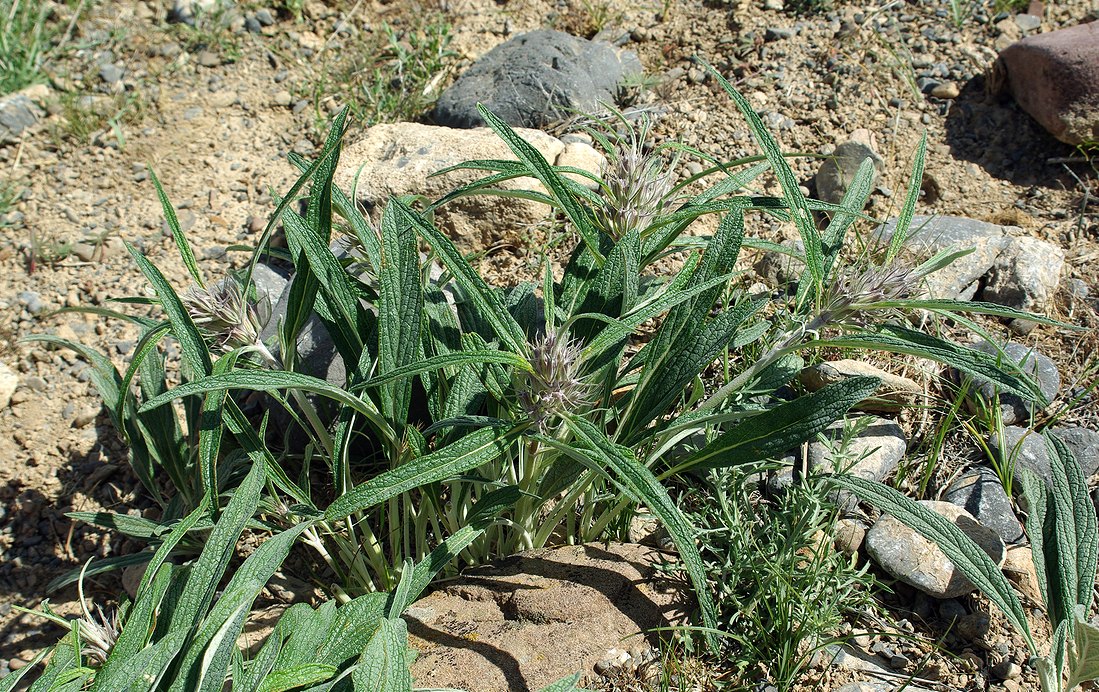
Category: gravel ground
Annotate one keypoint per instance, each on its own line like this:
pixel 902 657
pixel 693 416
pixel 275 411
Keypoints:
pixel 214 113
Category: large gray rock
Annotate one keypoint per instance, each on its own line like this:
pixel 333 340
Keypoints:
pixel 981 493
pixel 18 113
pixel 1021 448
pixel 920 563
pixel 1025 276
pixel 1055 78
pixel 872 455
pixel 1004 267
pixel 1084 445
pixel 837 172
pixel 402 158
pixel 535 79
pixel 929 235
pixel 1013 409
pixel 540 615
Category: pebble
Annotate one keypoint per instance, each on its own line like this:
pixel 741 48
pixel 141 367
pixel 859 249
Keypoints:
pixel 264 16
pixel 1028 22
pixel 1006 670
pixel 32 301
pixel 111 74
pixel 945 90
pixel 208 58
pixel 283 98
pixel 9 381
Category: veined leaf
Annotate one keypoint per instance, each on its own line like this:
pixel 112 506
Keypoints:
pixel 897 339
pixel 778 430
pixel 297 677
pixel 487 303
pixel 472 450
pixel 268 381
pixel 558 188
pixel 915 184
pixel 400 313
pixel 383 667
pixel 177 234
pixel 803 219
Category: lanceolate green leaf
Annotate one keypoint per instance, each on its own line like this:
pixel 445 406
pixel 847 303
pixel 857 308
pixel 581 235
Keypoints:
pixel 897 339
pixel 400 312
pixel 559 189
pixel 619 465
pixel 192 346
pixel 467 453
pixel 1076 531
pixel 778 430
pixel 915 184
pixel 383 666
pixel 803 218
pixel 959 548
pixel 266 381
pixel 472 285
pixel 206 660
pixel 209 440
pixel 177 233
pixel 206 572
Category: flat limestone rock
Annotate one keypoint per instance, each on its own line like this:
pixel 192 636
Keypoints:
pixel 402 159
pixel 539 616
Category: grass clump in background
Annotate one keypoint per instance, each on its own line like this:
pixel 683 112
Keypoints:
pixel 30 36
pixel 476 421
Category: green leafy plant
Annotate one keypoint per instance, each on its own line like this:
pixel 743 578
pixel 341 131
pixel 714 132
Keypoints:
pixel 480 421
pixel 781 587
pixel 27 39
pixel 1061 526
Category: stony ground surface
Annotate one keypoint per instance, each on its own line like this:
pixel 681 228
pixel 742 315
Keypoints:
pixel 214 113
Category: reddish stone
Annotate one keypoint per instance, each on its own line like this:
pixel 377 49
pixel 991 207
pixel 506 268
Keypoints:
pixel 1055 78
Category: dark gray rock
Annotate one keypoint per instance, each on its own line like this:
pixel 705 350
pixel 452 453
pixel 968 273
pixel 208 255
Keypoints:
pixel 537 78
pixel 1021 448
pixel 1013 409
pixel 17 113
pixel 981 494
pixel 838 171
pixel 1084 445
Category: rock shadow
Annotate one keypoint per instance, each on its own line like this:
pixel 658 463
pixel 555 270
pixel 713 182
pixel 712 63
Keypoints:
pixel 993 132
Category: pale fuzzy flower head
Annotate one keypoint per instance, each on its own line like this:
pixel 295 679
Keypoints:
pixel 857 287
pixel 98 634
pixel 225 317
pixel 637 183
pixel 555 384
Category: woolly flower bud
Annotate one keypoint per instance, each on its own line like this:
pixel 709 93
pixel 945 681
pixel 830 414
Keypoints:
pixel 636 186
pixel 98 634
pixel 555 385
pixel 857 287
pixel 223 315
